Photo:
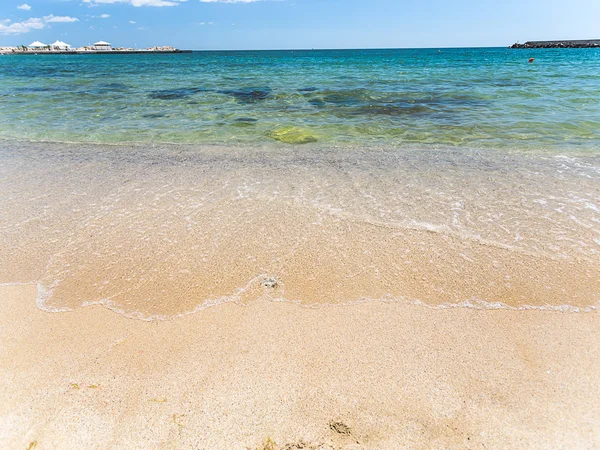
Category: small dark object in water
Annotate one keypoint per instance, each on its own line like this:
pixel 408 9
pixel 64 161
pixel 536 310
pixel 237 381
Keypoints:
pixel 308 89
pixel 246 119
pixel 531 60
pixel 269 283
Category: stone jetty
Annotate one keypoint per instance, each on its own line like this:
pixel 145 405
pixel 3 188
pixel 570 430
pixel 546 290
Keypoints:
pixel 590 43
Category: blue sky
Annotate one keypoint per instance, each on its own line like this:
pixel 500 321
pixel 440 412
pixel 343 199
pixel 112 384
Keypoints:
pixel 265 24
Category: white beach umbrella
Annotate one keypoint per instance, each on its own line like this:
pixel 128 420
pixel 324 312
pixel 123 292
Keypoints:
pixel 60 44
pixel 102 44
pixel 37 44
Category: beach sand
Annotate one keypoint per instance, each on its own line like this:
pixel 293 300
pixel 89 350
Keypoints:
pixel 423 299
pixel 278 375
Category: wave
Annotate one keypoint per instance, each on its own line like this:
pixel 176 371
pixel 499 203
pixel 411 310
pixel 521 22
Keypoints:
pixel 44 294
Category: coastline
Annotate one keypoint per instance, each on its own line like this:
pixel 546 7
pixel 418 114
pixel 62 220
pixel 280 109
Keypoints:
pixel 276 375
pixel 582 43
pixel 163 231
pixel 93 52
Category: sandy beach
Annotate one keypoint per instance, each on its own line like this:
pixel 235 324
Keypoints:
pixel 278 375
pixel 280 298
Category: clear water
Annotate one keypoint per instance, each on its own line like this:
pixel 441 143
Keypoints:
pixel 157 231
pixel 450 97
pixel 451 178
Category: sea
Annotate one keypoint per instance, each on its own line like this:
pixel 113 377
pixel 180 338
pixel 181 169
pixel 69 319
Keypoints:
pixel 158 185
pixel 490 97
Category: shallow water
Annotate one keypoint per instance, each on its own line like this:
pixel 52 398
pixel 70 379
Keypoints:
pixel 484 98
pixel 459 177
pixel 160 231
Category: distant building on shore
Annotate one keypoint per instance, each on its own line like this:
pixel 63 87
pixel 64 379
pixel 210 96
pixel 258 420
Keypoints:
pixel 60 45
pixel 102 46
pixel 37 44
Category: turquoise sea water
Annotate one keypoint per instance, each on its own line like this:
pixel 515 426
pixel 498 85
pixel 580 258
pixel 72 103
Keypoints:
pixel 449 97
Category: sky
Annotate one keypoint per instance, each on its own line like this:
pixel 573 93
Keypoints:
pixel 295 24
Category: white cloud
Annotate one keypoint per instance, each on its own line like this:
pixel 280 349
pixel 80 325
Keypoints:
pixel 21 27
pixel 35 23
pixel 24 7
pixel 59 19
pixel 104 16
pixel 136 3
pixel 132 22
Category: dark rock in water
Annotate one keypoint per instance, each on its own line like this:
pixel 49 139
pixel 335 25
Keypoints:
pixel 248 95
pixel 345 97
pixel 269 283
pixel 292 135
pixel 246 119
pixel 308 89
pixel 317 102
pixel 243 124
pixel 175 94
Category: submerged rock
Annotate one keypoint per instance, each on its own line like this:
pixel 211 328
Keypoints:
pixel 175 94
pixel 249 94
pixel 244 122
pixel 293 135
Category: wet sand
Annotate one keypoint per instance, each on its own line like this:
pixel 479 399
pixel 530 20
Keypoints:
pixel 278 375
pixel 160 232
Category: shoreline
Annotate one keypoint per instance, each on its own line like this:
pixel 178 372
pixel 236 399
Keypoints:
pixel 276 147
pixel 93 52
pixel 276 376
pixel 335 227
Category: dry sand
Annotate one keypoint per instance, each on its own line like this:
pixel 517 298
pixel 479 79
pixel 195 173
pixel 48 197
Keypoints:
pixel 277 375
